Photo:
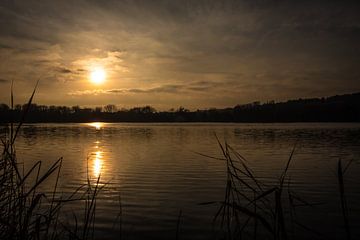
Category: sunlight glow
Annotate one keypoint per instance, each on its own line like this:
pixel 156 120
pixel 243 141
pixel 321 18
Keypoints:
pixel 97 75
pixel 96 125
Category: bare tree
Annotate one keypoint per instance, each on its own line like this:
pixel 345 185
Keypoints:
pixel 110 108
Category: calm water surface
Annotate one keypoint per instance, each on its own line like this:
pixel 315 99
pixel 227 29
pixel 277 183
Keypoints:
pixel 155 170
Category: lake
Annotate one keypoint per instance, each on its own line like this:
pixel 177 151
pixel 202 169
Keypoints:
pixel 152 171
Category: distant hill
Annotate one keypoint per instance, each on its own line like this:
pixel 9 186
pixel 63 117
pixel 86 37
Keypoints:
pixel 339 108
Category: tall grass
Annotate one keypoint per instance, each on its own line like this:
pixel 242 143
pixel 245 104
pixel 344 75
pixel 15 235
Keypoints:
pixel 344 208
pixel 253 209
pixel 28 212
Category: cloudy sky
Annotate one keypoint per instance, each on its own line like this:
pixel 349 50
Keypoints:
pixel 197 54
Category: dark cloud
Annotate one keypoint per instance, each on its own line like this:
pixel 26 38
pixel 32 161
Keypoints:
pixel 64 70
pixel 174 89
pixel 162 89
pixel 3 46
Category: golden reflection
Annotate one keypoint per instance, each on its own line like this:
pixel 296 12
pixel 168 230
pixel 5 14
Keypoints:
pixel 97 160
pixel 96 125
pixel 97 164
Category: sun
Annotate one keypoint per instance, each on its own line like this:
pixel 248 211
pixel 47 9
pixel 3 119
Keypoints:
pixel 97 75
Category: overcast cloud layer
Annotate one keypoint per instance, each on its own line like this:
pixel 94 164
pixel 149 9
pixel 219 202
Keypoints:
pixel 197 54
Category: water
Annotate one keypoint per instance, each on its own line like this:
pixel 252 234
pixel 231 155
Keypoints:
pixel 156 172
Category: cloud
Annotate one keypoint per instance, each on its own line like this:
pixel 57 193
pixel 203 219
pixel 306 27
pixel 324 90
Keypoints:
pixel 64 70
pixel 4 46
pixel 112 61
pixel 167 88
pixel 160 89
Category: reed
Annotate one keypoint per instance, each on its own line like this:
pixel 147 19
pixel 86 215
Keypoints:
pixel 27 212
pixel 344 208
pixel 253 209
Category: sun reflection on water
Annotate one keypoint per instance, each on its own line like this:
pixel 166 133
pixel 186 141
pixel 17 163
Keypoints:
pixel 97 164
pixel 97 158
pixel 96 125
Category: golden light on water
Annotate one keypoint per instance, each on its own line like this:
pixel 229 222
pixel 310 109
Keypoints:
pixel 97 164
pixel 98 75
pixel 96 160
pixel 96 125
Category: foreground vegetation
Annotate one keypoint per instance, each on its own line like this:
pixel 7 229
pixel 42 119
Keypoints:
pixel 27 211
pixel 253 209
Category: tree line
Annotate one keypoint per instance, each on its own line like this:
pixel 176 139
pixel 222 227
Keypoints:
pixel 339 108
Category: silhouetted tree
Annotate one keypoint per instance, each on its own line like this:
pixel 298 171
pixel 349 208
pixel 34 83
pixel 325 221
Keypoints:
pixel 110 108
pixel 4 107
pixel 182 109
pixel 342 108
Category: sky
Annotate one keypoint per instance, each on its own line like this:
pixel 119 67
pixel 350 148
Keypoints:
pixel 197 54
